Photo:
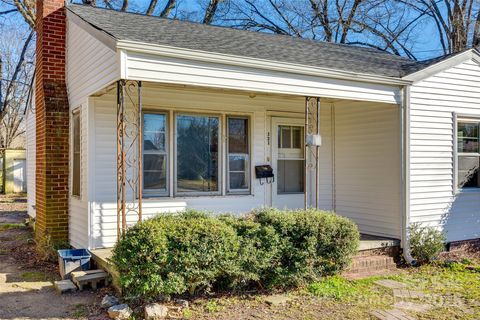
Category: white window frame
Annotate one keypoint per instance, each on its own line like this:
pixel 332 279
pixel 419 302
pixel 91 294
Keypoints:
pixel 77 112
pixel 157 192
pixel 456 119
pixel 220 168
pixel 248 166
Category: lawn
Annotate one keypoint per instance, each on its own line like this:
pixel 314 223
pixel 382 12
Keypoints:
pixel 451 290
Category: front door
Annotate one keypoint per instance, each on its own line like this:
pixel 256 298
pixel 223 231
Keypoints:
pixel 288 163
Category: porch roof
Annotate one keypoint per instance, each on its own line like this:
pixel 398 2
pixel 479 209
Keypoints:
pixel 241 43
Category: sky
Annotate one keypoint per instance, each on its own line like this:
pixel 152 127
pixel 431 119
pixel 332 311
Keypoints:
pixel 426 45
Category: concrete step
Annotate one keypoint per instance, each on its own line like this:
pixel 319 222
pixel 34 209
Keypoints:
pixel 90 277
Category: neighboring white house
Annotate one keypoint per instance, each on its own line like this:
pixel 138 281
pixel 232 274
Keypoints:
pixel 400 139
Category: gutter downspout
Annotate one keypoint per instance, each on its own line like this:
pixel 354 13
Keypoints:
pixel 405 158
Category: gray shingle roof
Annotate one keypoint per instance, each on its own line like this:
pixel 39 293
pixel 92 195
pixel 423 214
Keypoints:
pixel 189 35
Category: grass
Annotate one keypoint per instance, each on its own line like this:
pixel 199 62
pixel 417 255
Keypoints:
pixel 9 226
pixel 32 276
pixel 452 289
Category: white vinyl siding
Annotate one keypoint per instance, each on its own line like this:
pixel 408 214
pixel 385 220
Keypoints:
pixel 91 65
pixel 367 166
pixel 434 101
pixel 31 159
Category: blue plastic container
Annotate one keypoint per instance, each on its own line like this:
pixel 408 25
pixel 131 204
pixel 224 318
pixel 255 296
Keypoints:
pixel 70 260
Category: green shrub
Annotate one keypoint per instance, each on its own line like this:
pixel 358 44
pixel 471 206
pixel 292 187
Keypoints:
pixel 193 252
pixel 174 254
pixel 312 244
pixel 426 243
pixel 259 251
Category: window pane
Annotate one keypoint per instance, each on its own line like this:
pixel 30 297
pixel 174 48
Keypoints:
pixel 155 172
pixel 238 150
pixel 237 162
pixel 237 135
pixel 238 180
pixel 285 137
pixel 290 176
pixel 76 155
pixel 197 153
pixel 238 176
pixel 468 172
pixel 468 137
pixel 154 132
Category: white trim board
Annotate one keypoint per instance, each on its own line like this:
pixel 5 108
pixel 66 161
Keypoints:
pixel 443 65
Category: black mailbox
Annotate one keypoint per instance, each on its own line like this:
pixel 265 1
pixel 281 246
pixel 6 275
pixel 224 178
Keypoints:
pixel 264 172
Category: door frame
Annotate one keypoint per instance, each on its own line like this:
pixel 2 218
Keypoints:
pixel 275 122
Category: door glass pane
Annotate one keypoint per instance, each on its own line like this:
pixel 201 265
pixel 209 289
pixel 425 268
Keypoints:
pixel 285 137
pixel 290 176
pixel 197 153
pixel 297 137
pixel 468 172
pixel 154 171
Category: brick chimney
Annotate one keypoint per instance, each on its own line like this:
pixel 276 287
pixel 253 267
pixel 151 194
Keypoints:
pixel 52 117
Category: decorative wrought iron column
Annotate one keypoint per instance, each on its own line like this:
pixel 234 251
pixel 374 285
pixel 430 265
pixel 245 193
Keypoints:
pixel 129 152
pixel 313 142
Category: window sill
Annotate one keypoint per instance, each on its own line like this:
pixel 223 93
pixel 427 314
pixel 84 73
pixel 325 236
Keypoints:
pixel 210 196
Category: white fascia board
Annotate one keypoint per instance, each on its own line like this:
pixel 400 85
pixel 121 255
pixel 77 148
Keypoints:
pixel 443 65
pixel 227 59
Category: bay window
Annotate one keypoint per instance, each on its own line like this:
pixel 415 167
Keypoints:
pixel 468 148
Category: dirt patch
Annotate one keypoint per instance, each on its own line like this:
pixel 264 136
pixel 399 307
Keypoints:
pixel 26 290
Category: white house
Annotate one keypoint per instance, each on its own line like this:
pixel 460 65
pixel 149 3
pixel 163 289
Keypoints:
pixel 400 138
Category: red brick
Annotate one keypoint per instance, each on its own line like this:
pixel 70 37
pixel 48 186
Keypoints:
pixel 52 122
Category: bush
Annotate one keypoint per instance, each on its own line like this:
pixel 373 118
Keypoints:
pixel 194 252
pixel 426 243
pixel 175 254
pixel 312 244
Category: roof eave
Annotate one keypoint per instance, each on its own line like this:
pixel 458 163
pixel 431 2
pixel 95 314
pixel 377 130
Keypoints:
pixel 443 65
pixel 204 56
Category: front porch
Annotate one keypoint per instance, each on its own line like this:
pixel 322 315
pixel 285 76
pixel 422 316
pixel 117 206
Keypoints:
pixel 358 161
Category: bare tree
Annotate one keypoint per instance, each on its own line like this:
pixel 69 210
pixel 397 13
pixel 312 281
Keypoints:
pixel 17 64
pixel 457 21
pixel 383 24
